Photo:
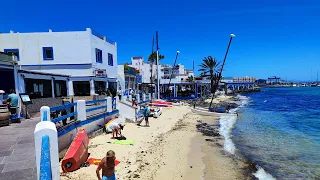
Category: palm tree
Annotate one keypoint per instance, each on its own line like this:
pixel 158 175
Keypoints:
pixel 210 68
pixel 190 79
pixel 153 59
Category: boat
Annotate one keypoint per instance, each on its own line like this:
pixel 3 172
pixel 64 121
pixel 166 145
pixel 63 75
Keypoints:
pixel 206 112
pixel 314 85
pixel 155 112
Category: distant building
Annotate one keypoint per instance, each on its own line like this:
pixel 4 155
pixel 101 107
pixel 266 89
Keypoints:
pixel 274 80
pixel 261 82
pixel 244 79
pixel 177 74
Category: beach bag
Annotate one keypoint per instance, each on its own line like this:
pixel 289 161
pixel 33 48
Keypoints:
pixel 121 138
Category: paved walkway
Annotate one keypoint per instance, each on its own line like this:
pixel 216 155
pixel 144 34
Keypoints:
pixel 17 152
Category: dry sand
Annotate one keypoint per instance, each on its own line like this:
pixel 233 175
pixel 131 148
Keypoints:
pixel 171 149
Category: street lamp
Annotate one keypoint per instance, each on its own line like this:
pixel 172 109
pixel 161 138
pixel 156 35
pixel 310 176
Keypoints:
pixel 220 73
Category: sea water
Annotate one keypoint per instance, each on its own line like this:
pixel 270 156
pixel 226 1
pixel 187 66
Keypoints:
pixel 279 130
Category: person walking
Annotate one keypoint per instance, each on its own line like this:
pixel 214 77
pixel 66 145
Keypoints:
pixel 146 115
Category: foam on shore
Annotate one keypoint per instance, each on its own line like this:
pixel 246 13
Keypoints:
pixel 261 174
pixel 226 125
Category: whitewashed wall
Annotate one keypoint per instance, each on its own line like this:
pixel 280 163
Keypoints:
pixel 68 47
pixel 76 48
pixel 106 48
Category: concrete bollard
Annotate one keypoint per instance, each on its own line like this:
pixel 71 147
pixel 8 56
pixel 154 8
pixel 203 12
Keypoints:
pixel 143 97
pixel 138 98
pixel 109 104
pixel 45 113
pixel 46 146
pixel 81 110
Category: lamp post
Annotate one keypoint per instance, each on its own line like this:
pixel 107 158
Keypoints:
pixel 220 73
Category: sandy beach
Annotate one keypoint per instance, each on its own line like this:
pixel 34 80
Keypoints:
pixel 171 148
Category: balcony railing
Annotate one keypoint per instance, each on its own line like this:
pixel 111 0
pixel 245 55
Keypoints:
pixel 95 33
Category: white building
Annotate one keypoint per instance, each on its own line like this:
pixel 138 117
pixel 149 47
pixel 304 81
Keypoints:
pixel 88 58
pixel 178 74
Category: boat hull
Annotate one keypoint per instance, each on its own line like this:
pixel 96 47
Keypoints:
pixel 205 112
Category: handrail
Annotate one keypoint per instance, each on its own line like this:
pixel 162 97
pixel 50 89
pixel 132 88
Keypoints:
pixel 65 106
pixel 95 108
pixel 96 101
pixel 45 162
pixel 63 117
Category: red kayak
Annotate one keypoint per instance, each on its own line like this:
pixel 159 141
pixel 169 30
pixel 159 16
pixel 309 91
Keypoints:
pixel 162 102
pixel 77 153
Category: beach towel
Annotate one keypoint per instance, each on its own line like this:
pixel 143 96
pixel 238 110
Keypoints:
pixel 124 142
pixel 97 161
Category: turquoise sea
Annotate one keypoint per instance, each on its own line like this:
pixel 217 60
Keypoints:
pixel 279 130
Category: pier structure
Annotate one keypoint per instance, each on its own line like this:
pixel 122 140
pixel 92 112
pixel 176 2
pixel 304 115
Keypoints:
pixel 274 80
pixel 239 86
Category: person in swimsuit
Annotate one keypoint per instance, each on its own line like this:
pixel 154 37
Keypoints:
pixel 107 165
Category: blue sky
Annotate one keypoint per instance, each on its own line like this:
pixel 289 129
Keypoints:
pixel 273 37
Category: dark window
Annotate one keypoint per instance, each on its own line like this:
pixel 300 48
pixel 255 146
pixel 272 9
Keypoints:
pixel 110 59
pixel 60 88
pixel 98 55
pixel 100 87
pixel 38 88
pixel 47 53
pixel 81 88
pixel 12 52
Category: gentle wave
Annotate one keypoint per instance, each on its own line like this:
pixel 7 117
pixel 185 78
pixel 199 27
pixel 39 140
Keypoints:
pixel 227 123
pixel 261 174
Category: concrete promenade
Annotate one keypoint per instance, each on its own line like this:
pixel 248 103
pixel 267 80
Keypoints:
pixel 17 151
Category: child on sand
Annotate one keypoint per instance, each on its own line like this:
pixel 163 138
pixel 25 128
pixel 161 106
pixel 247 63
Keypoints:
pixel 107 165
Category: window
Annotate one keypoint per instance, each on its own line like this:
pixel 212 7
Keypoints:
pixel 12 51
pixel 81 88
pixel 60 88
pixel 98 55
pixel 100 87
pixel 110 59
pixel 47 53
pixel 38 88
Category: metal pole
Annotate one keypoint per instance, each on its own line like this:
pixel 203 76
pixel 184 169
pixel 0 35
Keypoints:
pixel 174 65
pixel 220 73
pixel 158 72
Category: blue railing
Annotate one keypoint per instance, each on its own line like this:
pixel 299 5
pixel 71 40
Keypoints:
pixel 96 108
pixel 63 117
pixel 95 102
pixel 66 107
pixel 45 162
